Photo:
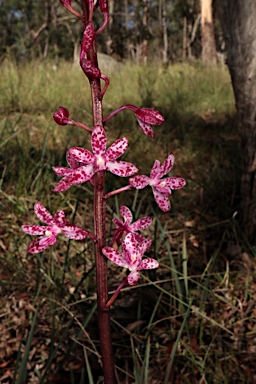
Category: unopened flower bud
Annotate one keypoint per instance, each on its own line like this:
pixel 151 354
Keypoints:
pixel 149 116
pixel 103 5
pixel 88 37
pixel 66 2
pixel 61 117
pixel 90 69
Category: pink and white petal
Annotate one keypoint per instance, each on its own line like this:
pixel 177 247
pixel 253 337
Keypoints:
pixel 117 149
pixel 164 190
pixel 133 278
pixel 62 171
pixel 99 140
pixel 73 232
pixel 146 128
pixel 144 246
pixel 114 256
pixel 129 245
pixel 148 264
pixel 42 213
pixel 82 155
pixel 175 182
pixel 142 223
pixel 155 171
pixel 167 165
pixel 62 185
pixel 118 222
pixel 162 201
pixel 71 161
pixel 139 182
pixel 121 168
pixel 126 214
pixel 34 229
pixel 59 219
pixel 41 244
pixel 81 175
pixel 139 238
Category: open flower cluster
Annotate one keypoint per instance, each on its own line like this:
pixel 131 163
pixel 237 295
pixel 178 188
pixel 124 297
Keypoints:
pixel 84 164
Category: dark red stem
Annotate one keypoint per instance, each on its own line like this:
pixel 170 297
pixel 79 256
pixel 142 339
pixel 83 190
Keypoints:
pixel 100 231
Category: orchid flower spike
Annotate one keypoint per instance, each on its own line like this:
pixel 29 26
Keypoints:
pixel 131 257
pixel 102 159
pixel 55 225
pixel 161 187
pixel 123 227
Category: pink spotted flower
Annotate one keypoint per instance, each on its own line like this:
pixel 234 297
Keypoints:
pixel 131 257
pixel 48 233
pixel 123 227
pixel 100 160
pixel 161 187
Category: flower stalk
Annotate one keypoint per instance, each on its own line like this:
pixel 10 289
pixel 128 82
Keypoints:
pixel 127 247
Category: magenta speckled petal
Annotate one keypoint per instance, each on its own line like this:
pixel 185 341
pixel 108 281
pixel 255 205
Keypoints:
pixel 133 278
pixel 99 140
pixel 42 213
pixel 117 149
pixel 41 244
pixel 162 201
pixel 167 165
pixel 34 229
pixel 126 214
pixel 114 256
pixel 81 155
pixel 73 232
pixel 139 182
pixel 121 168
pixel 148 264
pixel 175 182
pixel 146 128
pixel 142 223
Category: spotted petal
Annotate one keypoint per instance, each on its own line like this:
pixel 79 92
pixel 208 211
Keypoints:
pixel 99 140
pixel 167 165
pixel 146 128
pixel 117 149
pixel 34 229
pixel 121 168
pixel 140 181
pixel 155 171
pixel 148 264
pixel 81 174
pixel 162 201
pixel 41 244
pixel 62 171
pixel 81 155
pixel 126 214
pixel 74 232
pixel 114 256
pixel 59 219
pixel 133 278
pixel 175 182
pixel 42 213
pixel 142 223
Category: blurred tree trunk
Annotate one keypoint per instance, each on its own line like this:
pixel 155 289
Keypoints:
pixel 209 54
pixel 238 22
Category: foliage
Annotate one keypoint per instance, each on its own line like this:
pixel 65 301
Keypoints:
pixel 202 252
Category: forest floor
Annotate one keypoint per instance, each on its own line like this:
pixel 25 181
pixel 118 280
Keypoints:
pixel 190 321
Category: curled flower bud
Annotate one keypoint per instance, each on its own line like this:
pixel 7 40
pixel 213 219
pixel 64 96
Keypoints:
pixel 88 38
pixel 149 116
pixel 90 69
pixel 103 5
pixel 61 117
